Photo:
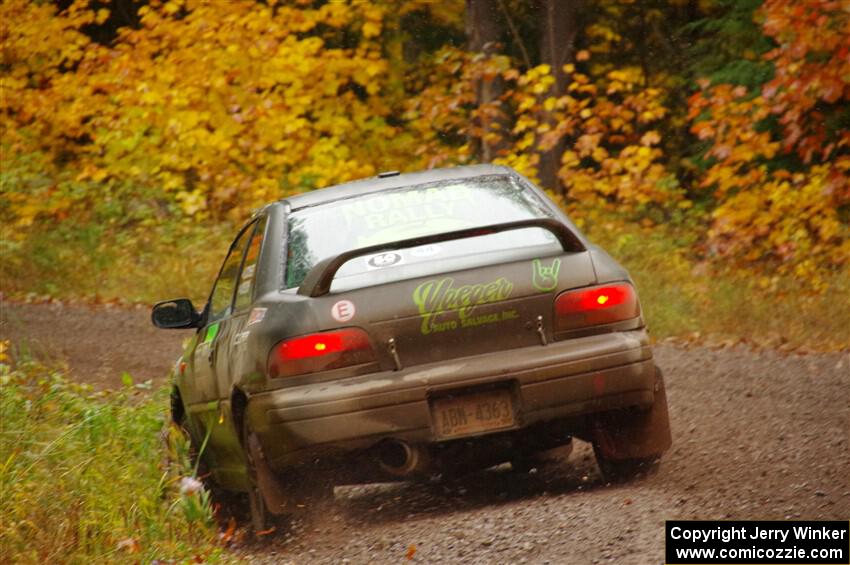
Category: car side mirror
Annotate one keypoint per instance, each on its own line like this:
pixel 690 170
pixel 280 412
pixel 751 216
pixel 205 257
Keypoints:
pixel 175 314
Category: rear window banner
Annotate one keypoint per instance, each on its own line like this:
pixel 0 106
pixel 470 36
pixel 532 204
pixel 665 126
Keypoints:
pixel 404 213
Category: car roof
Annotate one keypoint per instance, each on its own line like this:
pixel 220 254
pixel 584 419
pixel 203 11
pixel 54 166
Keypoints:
pixel 379 183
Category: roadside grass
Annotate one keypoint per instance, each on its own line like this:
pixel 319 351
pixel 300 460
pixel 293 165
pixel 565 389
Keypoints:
pixel 91 262
pixel 95 477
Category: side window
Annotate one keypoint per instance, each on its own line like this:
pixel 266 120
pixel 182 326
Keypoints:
pixel 225 285
pixel 245 290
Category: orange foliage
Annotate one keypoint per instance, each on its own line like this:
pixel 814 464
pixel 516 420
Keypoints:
pixel 812 80
pixel 769 210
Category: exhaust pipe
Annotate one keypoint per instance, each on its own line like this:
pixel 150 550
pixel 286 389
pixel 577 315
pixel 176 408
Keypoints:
pixel 400 458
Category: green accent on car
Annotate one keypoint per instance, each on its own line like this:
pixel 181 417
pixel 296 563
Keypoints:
pixel 493 318
pixel 254 377
pixel 212 331
pixel 545 279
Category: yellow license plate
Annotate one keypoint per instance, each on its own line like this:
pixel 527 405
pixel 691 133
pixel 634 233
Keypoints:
pixel 473 413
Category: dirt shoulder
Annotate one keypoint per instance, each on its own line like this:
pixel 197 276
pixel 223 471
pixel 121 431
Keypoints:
pixel 757 435
pixel 99 343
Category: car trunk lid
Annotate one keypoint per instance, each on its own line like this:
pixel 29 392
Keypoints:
pixel 461 313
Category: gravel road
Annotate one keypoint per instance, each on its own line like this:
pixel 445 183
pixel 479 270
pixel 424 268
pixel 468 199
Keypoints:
pixel 99 343
pixel 756 435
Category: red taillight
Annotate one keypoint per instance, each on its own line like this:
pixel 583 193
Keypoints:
pixel 593 306
pixel 320 352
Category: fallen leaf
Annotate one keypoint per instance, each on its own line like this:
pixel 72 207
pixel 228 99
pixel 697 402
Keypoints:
pixel 130 545
pixel 227 535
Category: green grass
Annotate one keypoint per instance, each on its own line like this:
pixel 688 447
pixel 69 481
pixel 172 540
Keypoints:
pixel 92 477
pixel 144 263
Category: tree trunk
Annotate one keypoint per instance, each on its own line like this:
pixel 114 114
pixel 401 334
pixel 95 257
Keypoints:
pixel 484 33
pixel 559 20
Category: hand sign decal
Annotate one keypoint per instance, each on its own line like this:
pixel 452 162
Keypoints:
pixel 545 279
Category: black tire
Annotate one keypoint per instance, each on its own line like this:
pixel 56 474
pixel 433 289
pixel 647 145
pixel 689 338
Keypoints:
pixel 178 420
pixel 630 442
pixel 622 470
pixel 178 411
pixel 260 516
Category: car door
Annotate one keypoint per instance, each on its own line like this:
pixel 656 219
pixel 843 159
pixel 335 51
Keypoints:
pixel 232 351
pixel 207 412
pixel 200 388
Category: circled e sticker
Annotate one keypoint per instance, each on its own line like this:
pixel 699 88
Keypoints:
pixel 428 250
pixel 343 311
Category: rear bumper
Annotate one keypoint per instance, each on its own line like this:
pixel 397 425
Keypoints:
pixel 561 380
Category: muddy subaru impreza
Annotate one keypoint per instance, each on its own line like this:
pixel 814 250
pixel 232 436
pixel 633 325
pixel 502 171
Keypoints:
pixel 412 325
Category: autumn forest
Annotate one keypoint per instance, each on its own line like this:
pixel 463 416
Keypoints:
pixel 720 127
pixel 704 144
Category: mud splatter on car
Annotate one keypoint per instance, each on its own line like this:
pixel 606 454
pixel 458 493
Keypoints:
pixel 411 325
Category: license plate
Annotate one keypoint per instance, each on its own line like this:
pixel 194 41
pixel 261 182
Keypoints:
pixel 473 413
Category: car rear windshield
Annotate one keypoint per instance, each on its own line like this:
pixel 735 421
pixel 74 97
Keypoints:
pixel 326 230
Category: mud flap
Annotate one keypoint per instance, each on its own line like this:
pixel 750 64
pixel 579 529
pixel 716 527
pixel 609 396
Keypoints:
pixel 635 435
pixel 268 484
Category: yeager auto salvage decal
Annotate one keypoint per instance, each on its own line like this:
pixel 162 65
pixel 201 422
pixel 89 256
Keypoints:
pixel 436 298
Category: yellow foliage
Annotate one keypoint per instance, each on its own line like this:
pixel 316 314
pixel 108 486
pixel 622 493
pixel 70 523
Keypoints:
pixel 764 215
pixel 613 161
pixel 224 105
pixel 211 108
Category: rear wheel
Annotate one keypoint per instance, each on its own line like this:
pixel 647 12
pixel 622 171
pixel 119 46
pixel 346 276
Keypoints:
pixel 630 442
pixel 184 458
pixel 260 517
pixel 178 420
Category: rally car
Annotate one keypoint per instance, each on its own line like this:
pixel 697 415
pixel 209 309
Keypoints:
pixel 411 325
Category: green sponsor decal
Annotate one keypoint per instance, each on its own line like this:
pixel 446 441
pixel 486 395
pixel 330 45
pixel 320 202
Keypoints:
pixel 409 207
pixel 438 300
pixel 212 331
pixel 493 318
pixel 545 279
